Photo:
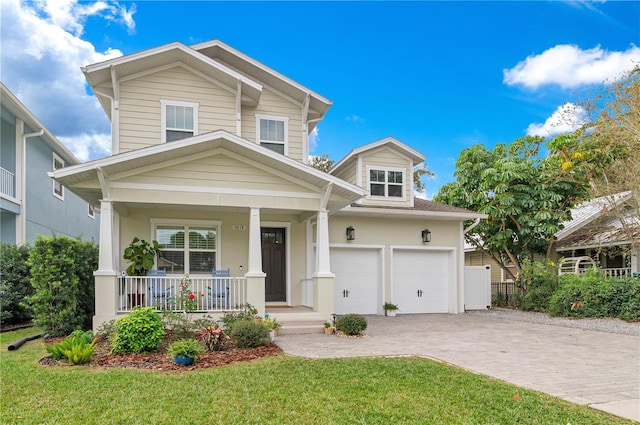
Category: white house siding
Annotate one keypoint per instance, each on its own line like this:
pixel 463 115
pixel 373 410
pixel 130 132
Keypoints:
pixel 275 105
pixel 140 109
pixel 386 158
pixel 396 232
pixel 349 173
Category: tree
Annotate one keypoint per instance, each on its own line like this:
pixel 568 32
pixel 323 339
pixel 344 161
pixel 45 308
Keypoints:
pixel 605 152
pixel 525 197
pixel 322 163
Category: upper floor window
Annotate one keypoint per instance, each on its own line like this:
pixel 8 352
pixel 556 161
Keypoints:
pixel 179 120
pixel 385 182
pixel 272 132
pixel 58 189
pixel 187 247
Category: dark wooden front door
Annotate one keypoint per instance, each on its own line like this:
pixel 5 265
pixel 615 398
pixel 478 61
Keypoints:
pixel 274 260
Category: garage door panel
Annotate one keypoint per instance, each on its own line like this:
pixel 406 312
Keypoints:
pixel 357 281
pixel 421 281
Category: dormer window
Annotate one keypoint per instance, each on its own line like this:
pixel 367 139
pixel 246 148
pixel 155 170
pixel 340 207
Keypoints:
pixel 386 182
pixel 179 120
pixel 272 132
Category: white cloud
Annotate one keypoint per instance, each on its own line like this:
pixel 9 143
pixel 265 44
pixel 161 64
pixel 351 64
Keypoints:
pixel 565 119
pixel 42 53
pixel 569 66
pixel 355 118
pixel 314 138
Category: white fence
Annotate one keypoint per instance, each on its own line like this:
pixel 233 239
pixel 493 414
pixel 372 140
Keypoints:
pixel 477 287
pixel 214 294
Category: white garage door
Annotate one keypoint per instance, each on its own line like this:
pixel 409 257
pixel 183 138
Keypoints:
pixel 357 281
pixel 421 281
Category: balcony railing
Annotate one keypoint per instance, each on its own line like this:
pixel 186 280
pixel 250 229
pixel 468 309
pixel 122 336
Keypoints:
pixel 212 294
pixel 7 183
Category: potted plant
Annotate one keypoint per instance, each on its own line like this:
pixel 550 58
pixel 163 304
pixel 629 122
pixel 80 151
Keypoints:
pixel 272 324
pixel 328 329
pixel 390 309
pixel 142 255
pixel 185 351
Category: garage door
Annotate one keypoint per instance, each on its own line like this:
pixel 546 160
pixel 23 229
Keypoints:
pixel 421 281
pixel 357 282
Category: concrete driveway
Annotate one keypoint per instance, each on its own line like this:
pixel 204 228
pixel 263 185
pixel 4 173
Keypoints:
pixel 598 369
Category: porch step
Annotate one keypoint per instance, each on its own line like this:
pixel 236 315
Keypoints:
pixel 301 327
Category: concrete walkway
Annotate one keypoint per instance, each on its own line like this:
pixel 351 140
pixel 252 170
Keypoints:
pixel 598 369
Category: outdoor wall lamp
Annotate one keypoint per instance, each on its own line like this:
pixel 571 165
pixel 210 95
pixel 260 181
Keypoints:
pixel 351 233
pixel 426 235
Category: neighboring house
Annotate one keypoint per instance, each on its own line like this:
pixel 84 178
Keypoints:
pixel 595 236
pixel 601 230
pixel 31 203
pixel 210 151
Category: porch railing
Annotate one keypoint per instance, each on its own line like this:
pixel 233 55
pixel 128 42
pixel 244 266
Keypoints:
pixel 7 183
pixel 617 272
pixel 212 294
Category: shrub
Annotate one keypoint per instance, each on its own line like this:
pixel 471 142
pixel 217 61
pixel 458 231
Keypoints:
pixel 592 295
pixel 245 312
pixel 538 280
pixel 249 333
pixel 139 331
pixel 186 348
pixel 212 336
pixel 351 324
pixel 62 278
pixel 15 284
pixel 77 348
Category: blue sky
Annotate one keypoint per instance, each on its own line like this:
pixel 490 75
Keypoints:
pixel 438 76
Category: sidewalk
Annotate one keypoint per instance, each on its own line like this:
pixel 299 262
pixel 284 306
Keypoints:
pixel 598 369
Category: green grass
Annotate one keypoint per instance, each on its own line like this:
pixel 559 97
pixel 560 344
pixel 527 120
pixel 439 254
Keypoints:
pixel 276 390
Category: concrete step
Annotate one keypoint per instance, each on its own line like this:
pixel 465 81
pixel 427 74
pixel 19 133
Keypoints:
pixel 297 326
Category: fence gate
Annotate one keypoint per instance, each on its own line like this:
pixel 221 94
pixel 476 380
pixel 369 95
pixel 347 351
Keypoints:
pixel 477 287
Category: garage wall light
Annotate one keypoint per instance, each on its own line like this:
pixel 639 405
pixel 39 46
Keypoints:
pixel 351 233
pixel 426 235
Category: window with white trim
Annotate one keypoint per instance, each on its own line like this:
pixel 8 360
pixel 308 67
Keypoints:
pixel 272 132
pixel 187 248
pixel 58 189
pixel 179 120
pixel 92 211
pixel 386 182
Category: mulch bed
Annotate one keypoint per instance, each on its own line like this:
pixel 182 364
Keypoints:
pixel 159 360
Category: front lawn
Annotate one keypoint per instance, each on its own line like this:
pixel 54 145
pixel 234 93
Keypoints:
pixel 273 390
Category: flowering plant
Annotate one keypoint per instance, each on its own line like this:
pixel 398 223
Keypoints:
pixel 271 323
pixel 212 337
pixel 187 300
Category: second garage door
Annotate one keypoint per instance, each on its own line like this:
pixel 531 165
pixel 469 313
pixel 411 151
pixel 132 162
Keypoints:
pixel 421 280
pixel 358 280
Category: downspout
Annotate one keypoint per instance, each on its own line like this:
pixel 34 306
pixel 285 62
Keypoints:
pixel 474 224
pixel 23 183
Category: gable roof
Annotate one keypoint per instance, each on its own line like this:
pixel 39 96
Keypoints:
pixel 223 53
pixel 73 177
pixel 101 75
pixel 415 156
pixel 589 211
pixel 20 111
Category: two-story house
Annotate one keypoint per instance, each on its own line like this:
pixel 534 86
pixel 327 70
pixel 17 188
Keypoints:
pixel 210 152
pixel 31 203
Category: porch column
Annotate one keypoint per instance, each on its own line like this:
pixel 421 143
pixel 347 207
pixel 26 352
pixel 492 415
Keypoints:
pixel 106 275
pixel 255 276
pixel 323 296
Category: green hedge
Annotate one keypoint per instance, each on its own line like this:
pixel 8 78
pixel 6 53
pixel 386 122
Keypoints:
pixel 15 284
pixel 592 295
pixel 62 277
